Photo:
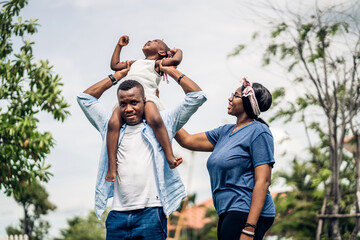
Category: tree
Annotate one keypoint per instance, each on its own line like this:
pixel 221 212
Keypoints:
pixel 34 200
pixel 84 228
pixel 27 88
pixel 296 209
pixel 321 50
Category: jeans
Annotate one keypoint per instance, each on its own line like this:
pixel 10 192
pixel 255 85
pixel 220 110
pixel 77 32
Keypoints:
pixel 148 223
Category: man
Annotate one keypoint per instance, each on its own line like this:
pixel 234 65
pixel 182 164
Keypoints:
pixel 146 190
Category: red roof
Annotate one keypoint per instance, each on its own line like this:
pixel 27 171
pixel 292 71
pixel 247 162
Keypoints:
pixel 350 145
pixel 194 216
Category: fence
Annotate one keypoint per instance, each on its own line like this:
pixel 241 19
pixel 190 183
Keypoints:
pixel 15 237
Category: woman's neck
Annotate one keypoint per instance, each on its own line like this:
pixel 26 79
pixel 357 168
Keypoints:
pixel 242 121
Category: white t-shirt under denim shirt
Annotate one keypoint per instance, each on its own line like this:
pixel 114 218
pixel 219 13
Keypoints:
pixel 171 188
pixel 135 186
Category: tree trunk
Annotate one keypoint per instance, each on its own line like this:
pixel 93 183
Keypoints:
pixel 357 187
pixel 335 184
pixel 181 219
pixel 27 223
pixel 322 212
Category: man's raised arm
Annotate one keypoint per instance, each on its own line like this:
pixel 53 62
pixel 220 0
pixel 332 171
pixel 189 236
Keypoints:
pixel 186 83
pixel 88 100
pixel 99 88
pixel 194 98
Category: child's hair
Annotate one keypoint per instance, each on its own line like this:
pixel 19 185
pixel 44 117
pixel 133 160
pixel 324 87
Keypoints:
pixel 263 97
pixel 167 50
pixel 129 84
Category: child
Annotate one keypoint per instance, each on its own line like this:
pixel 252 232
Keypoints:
pixel 147 72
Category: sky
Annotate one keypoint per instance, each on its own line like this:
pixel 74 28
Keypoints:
pixel 78 37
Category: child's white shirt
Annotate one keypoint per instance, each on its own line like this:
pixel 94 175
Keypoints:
pixel 143 71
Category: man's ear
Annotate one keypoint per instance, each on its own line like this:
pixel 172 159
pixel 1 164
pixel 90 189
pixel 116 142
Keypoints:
pixel 144 99
pixel 162 53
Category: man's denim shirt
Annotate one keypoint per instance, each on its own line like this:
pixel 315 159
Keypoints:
pixel 171 188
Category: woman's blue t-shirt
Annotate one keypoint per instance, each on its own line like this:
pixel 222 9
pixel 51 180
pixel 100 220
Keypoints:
pixel 231 166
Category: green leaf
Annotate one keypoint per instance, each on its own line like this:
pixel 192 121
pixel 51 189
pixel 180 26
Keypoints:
pixel 304 30
pixel 278 30
pixel 255 35
pixel 236 51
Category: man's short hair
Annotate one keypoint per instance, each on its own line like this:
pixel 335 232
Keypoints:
pixel 129 84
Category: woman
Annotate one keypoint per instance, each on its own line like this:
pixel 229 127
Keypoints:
pixel 240 165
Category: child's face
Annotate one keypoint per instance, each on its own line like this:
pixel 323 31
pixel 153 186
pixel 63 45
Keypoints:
pixel 154 46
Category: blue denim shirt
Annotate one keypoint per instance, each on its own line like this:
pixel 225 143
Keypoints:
pixel 171 188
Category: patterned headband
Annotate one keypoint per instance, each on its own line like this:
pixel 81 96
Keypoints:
pixel 250 93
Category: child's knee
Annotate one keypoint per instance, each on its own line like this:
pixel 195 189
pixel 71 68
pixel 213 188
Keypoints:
pixel 152 115
pixel 114 124
pixel 154 120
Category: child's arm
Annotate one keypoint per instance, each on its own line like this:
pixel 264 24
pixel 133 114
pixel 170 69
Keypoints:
pixel 174 60
pixel 115 64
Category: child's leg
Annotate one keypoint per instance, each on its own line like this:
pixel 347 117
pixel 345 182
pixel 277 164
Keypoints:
pixel 152 116
pixel 112 138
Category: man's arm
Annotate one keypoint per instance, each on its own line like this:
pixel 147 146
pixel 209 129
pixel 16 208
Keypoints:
pixel 179 115
pixel 186 83
pixel 88 101
pixel 99 88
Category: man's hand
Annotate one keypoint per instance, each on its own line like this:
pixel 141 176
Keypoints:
pixel 123 72
pixel 123 41
pixel 165 69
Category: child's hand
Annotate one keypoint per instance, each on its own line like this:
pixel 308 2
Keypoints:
pixel 175 162
pixel 174 50
pixel 123 41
